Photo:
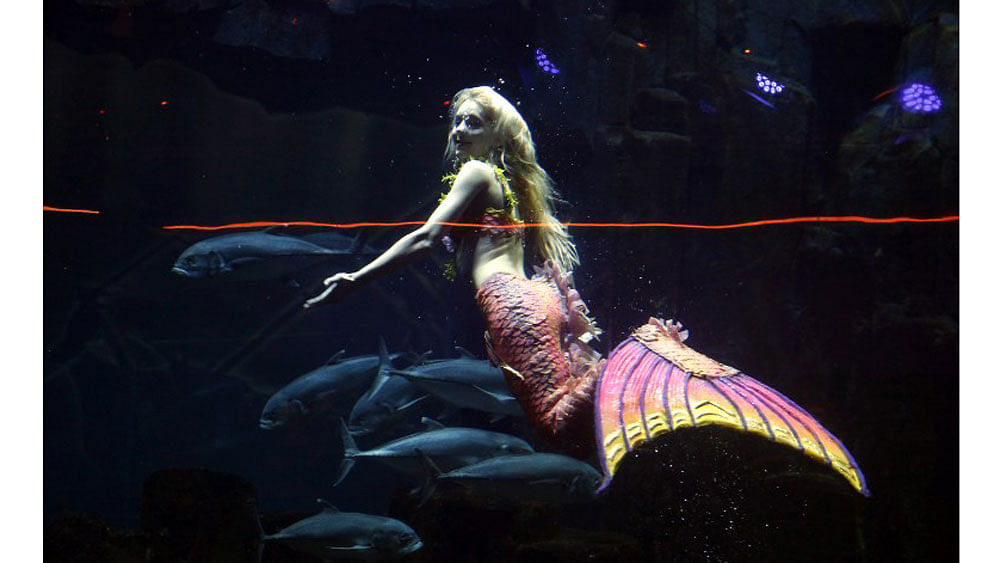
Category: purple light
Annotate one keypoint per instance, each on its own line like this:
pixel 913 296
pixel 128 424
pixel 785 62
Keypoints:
pixel 543 62
pixel 767 85
pixel 920 98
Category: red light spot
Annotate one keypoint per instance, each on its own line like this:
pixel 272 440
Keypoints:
pixel 164 103
pixel 887 92
pixel 812 219
pixel 643 45
pixel 746 51
pixel 447 102
pixel 101 111
pixel 295 21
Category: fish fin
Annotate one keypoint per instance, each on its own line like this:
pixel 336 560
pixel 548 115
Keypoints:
pixel 495 396
pixel 413 404
pixel 327 505
pixel 512 371
pixel 356 243
pixel 336 357
pixel 545 482
pixel 431 424
pixel 405 373
pixel 463 353
pixel 350 450
pixel 384 369
pixel 430 483
pixel 228 266
pixel 654 384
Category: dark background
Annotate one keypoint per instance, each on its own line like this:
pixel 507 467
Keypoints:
pixel 296 110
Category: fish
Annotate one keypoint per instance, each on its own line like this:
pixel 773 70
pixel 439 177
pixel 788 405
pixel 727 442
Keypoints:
pixel 537 477
pixel 449 448
pixel 466 382
pixel 332 388
pixel 390 400
pixel 394 403
pixel 224 253
pixel 342 244
pixel 349 535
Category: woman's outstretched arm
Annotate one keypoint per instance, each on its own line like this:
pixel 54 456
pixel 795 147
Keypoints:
pixel 472 179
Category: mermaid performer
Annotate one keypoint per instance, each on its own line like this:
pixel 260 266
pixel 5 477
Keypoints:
pixel 539 330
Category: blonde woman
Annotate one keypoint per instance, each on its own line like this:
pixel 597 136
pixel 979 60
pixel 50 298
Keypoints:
pixel 538 329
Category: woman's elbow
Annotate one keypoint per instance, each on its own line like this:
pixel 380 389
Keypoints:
pixel 425 239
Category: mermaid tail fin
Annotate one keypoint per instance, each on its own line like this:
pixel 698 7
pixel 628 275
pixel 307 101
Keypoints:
pixel 653 384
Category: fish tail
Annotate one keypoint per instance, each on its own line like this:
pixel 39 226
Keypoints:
pixel 430 483
pixel 350 451
pixel 654 384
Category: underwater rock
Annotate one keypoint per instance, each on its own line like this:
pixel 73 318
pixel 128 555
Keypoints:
pixel 298 32
pixel 84 538
pixel 186 6
pixel 722 496
pixel 659 109
pixel 458 527
pixel 200 515
pixel 581 545
pixel 355 6
pixel 651 168
pixel 901 162
pixel 176 6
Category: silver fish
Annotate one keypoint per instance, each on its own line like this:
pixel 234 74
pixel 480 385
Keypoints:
pixel 221 254
pixel 449 448
pixel 332 388
pixel 466 382
pixel 350 535
pixel 397 403
pixel 539 477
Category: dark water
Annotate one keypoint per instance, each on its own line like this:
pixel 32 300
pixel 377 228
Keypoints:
pixel 213 112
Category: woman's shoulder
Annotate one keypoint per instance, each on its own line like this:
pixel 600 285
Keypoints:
pixel 477 169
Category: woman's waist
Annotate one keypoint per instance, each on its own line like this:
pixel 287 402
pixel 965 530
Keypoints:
pixel 503 264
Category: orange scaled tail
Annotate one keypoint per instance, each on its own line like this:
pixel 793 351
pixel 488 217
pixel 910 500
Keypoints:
pixel 653 384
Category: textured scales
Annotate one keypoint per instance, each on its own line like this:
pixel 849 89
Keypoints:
pixel 538 331
pixel 653 384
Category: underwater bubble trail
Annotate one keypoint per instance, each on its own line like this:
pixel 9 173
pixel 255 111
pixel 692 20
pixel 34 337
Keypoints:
pixel 575 224
pixel 66 210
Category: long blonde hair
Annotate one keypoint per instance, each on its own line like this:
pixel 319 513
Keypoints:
pixel 532 186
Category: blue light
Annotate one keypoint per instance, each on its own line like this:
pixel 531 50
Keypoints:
pixel 544 63
pixel 920 98
pixel 767 85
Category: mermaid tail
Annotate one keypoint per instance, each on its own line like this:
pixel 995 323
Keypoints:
pixel 653 384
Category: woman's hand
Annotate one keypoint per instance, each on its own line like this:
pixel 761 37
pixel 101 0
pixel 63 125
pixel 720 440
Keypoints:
pixel 337 286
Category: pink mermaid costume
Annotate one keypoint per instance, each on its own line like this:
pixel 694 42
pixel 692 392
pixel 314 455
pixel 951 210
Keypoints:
pixel 538 333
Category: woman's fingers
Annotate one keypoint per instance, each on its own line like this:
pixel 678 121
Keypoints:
pixel 321 296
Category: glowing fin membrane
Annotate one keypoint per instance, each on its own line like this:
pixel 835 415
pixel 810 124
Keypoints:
pixel 653 384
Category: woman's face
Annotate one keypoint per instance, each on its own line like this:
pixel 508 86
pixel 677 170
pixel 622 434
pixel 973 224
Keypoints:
pixel 473 136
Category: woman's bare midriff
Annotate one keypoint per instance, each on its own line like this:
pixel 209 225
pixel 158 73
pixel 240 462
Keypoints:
pixel 496 255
